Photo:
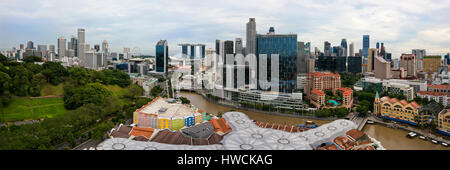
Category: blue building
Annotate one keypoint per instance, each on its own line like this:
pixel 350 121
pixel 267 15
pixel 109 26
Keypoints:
pixel 447 56
pixel 162 59
pixel 184 51
pixel 285 45
pixel 366 46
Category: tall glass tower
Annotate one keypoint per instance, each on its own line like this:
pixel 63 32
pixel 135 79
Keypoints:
pixel 366 42
pixel 162 52
pixel 285 45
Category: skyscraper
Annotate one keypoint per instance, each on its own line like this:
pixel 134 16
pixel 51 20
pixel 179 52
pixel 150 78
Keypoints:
pixel 351 49
pixel 419 54
pixel 366 42
pixel 372 53
pixel 301 59
pixel 250 46
pixel 308 50
pixel 238 46
pixel 344 47
pixel 43 50
pixel 162 52
pixel 285 45
pixel 409 62
pixel 61 47
pixel 80 46
pixel 30 45
pixel 105 48
pixel 74 46
pixel 97 47
pixel 327 48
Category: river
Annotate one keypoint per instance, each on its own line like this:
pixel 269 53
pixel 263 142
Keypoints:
pixel 392 139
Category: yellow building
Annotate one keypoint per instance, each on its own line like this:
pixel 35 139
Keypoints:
pixel 431 63
pixel 443 122
pixel 400 111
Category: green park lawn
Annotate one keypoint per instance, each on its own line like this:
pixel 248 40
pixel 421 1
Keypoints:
pixel 51 90
pixel 23 108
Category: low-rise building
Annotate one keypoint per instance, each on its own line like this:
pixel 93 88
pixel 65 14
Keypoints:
pixel 436 96
pixel 164 113
pixel 443 122
pixel 347 97
pixel 317 98
pixel 439 88
pixel 401 111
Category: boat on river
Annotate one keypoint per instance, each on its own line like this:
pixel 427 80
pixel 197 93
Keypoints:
pixel 411 135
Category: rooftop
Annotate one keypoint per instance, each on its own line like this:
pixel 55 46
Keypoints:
pixel 318 92
pixel 320 74
pixel 203 130
pixel 439 86
pixel 163 108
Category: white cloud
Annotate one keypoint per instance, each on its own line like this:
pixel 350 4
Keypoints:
pixel 402 25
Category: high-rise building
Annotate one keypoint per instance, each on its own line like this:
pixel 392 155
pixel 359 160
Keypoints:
pixel 126 53
pixel 51 48
pixel 30 45
pixel 350 49
pixel 21 47
pixel 366 46
pixel 43 50
pixel 382 68
pixel 162 59
pixel 409 62
pixel 354 64
pixel 431 63
pixel 105 47
pixel 81 46
pixel 97 48
pixel 227 62
pixel 238 46
pixel 301 58
pixel 73 44
pixel 250 46
pixel 308 49
pixel 61 47
pixel 419 54
pixel 344 47
pixel 372 53
pixel 285 45
pixel 447 59
pixel 327 48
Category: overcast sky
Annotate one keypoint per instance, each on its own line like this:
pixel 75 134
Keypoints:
pixel 401 25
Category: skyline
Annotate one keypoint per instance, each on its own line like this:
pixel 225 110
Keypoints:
pixel 401 26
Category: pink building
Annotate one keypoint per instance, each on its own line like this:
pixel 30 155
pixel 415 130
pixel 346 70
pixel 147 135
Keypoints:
pixel 382 68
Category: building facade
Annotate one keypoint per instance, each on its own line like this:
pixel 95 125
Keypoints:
pixel 401 111
pixel 285 45
pixel 409 63
pixel 443 122
pixel 161 57
pixel 431 63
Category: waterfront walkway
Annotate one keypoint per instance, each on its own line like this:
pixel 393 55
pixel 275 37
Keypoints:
pixel 408 128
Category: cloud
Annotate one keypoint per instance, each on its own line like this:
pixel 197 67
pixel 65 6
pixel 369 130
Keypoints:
pixel 401 25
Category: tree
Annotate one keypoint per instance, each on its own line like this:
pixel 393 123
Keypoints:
pixel 133 91
pixel 156 91
pixel 54 72
pixel 184 100
pixel 32 59
pixel 79 76
pixel 341 112
pixel 94 93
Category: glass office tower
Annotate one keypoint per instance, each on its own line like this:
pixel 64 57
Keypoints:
pixel 285 45
pixel 366 46
pixel 162 59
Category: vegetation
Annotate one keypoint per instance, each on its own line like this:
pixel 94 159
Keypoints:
pixel 87 106
pixel 184 100
pixel 156 91
pixel 348 79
